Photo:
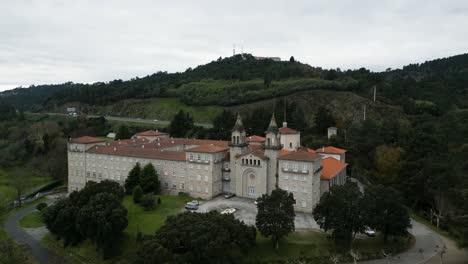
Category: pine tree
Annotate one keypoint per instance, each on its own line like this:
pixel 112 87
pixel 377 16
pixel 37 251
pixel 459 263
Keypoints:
pixel 133 179
pixel 149 179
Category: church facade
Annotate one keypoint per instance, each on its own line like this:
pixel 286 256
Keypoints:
pixel 246 166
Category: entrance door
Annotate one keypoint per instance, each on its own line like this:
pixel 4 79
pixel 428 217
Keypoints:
pixel 226 187
pixel 251 191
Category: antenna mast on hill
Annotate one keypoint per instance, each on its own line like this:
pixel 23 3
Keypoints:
pixel 233 49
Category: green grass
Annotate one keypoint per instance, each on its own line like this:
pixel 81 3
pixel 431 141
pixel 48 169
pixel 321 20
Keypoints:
pixel 7 192
pixel 32 220
pixel 157 108
pixel 316 245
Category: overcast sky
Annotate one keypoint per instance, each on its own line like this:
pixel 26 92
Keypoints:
pixel 46 41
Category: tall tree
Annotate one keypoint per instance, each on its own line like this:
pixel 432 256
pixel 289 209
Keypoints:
pixel 149 180
pixel 222 125
pixel 133 179
pixel 323 120
pixel 181 124
pixel 21 181
pixel 339 210
pixel 384 210
pixel 123 132
pixel 275 217
pixel 103 220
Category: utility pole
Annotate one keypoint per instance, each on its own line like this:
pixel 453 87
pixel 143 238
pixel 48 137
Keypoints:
pixel 375 91
pixel 364 112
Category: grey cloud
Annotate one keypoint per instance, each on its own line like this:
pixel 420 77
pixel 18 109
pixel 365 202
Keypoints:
pixel 47 41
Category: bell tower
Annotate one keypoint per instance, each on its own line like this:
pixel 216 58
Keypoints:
pixel 272 148
pixel 237 146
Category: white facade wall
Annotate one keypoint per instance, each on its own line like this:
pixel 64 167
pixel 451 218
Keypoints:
pixel 291 142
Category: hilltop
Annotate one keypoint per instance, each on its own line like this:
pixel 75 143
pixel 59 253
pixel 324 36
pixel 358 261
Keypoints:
pixel 242 82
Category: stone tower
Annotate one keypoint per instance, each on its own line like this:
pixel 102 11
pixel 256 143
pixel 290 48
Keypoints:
pixel 272 151
pixel 237 146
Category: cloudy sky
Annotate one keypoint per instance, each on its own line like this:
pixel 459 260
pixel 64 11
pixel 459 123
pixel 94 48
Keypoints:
pixel 47 41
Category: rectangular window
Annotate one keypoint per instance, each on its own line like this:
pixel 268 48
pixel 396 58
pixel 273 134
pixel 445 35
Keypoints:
pixel 206 168
pixel 190 187
pixel 304 204
pixel 206 189
pixel 198 188
pixel 182 186
pixel 206 178
pixel 166 184
pixel 198 178
pixel 174 186
pixel 191 156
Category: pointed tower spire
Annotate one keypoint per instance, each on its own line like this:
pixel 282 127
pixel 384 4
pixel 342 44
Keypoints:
pixel 238 126
pixel 272 127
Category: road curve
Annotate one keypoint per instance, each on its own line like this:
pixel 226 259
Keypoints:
pixel 19 235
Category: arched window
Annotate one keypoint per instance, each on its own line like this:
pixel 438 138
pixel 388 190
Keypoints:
pixel 242 161
pixel 237 139
pixel 233 140
pixel 259 163
pixel 290 144
pixel 269 142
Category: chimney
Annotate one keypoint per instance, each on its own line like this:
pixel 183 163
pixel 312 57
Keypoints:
pixel 142 146
pixel 115 149
pixel 285 124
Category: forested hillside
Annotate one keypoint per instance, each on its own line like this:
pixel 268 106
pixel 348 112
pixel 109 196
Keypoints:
pixel 414 138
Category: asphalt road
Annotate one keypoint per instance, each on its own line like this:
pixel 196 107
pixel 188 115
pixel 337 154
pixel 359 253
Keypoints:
pixel 135 120
pixel 20 236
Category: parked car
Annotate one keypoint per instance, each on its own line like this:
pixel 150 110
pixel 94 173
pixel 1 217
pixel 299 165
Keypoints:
pixel 369 231
pixel 255 202
pixel 195 202
pixel 229 195
pixel 229 211
pixel 191 206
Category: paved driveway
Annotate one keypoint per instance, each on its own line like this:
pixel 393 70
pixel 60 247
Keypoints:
pixel 247 211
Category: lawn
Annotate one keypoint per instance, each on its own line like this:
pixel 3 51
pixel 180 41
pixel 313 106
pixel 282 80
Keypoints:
pixel 315 246
pixel 7 192
pixel 32 220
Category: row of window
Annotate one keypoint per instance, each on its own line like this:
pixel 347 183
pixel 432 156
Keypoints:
pixel 251 162
pixel 182 187
pixel 295 189
pixel 295 166
pixel 295 177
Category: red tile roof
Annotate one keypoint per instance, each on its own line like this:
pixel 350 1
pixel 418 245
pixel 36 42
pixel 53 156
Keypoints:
pixel 126 142
pixel 138 152
pixel 86 140
pixel 331 150
pixel 255 138
pixel 331 167
pixel 300 155
pixel 166 142
pixel 284 152
pixel 287 130
pixel 208 149
pixel 151 133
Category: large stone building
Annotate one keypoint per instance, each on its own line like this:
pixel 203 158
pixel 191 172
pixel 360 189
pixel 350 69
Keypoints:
pixel 246 166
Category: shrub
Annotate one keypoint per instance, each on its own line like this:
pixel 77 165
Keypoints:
pixel 159 200
pixel 41 206
pixel 137 194
pixel 148 202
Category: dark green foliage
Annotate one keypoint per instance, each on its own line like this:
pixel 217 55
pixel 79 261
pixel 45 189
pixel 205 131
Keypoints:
pixel 151 251
pixel 7 111
pixel 339 210
pixel 148 201
pixel 159 200
pixel 94 213
pixel 323 120
pixel 133 178
pixel 222 125
pixel 275 217
pixel 103 220
pixel 181 124
pixel 137 194
pixel 149 181
pixel 41 206
pixel 123 133
pixel 198 238
pixel 383 210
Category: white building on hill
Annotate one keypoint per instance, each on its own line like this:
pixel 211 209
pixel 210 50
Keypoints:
pixel 246 166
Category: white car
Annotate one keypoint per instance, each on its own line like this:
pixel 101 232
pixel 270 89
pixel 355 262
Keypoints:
pixel 369 231
pixel 229 211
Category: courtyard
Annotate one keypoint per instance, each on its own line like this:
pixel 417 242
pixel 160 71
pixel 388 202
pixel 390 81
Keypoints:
pixel 246 211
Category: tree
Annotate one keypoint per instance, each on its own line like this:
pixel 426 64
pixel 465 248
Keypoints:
pixel 20 182
pixel 123 132
pixel 133 178
pixel 291 59
pixel 103 220
pixel 91 189
pixel 222 125
pixel 384 210
pixel 323 120
pixel 149 181
pixel 339 210
pixel 148 201
pixel 181 124
pixel 137 194
pixel 275 217
pixel 60 220
pixel 203 237
pixel 151 251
